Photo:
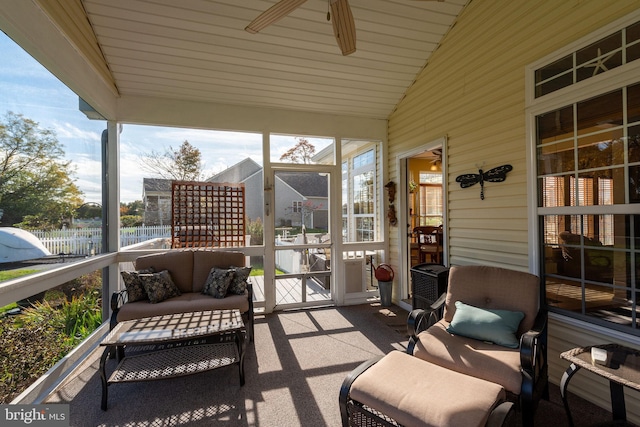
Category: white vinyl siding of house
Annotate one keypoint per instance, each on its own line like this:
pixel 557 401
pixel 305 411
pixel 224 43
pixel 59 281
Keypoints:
pixel 473 90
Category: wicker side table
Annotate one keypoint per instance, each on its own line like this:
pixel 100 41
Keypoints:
pixel 622 369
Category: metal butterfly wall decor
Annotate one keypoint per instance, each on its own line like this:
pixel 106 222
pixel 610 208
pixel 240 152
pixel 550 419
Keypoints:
pixel 498 174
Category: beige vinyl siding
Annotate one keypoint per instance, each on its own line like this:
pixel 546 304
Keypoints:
pixel 473 91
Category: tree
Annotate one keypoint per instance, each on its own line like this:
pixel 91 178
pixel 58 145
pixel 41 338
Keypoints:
pixel 130 221
pixel 36 185
pixel 302 152
pixel 183 164
pixel 89 210
pixel 131 213
pixel 135 208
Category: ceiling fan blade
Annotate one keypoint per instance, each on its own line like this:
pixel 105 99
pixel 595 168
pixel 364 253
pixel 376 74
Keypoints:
pixel 273 14
pixel 343 26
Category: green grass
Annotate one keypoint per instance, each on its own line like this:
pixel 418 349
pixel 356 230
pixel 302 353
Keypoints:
pixel 12 274
pixel 8 307
pixel 258 270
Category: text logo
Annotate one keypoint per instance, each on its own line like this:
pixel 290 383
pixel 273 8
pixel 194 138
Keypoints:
pixel 35 415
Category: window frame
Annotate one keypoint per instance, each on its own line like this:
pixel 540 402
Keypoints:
pixel 622 76
pixel 424 217
pixel 358 226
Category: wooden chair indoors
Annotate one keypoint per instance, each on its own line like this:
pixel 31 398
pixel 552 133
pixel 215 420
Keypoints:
pixel 429 240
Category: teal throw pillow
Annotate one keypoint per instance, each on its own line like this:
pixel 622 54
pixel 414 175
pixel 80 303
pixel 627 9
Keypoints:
pixel 496 326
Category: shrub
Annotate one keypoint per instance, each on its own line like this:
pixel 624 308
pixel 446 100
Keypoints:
pixel 256 230
pixel 75 319
pixel 31 343
pixel 27 353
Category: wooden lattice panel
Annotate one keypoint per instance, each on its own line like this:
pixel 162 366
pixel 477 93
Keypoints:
pixel 207 214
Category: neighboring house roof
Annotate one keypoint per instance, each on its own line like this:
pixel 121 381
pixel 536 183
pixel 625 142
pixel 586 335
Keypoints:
pixel 150 185
pixel 307 184
pixel 238 172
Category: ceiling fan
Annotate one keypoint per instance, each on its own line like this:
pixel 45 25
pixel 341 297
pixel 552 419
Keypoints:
pixel 437 156
pixel 340 16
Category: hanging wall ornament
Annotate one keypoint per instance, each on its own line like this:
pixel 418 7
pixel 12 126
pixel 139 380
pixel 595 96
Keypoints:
pixel 391 214
pixel 498 174
pixel 391 188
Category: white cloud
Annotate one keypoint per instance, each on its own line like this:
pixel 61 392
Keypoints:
pixel 68 131
pixel 219 149
pixel 29 89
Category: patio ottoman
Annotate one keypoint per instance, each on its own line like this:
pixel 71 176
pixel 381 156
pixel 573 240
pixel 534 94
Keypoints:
pixel 401 390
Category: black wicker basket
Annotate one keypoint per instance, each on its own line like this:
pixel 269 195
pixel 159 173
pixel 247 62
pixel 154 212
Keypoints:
pixel 428 282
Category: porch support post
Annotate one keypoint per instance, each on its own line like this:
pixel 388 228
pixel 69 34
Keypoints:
pixel 269 257
pixel 110 210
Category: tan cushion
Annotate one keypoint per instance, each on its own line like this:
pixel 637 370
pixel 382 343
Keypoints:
pixel 184 303
pixel 494 288
pixel 489 362
pixel 203 261
pixel 417 393
pixel 179 264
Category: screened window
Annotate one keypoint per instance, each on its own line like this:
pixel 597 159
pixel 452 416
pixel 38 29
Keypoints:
pixel 50 180
pixel 148 168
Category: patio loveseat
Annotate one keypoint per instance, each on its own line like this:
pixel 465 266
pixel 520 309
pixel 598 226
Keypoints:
pixel 197 287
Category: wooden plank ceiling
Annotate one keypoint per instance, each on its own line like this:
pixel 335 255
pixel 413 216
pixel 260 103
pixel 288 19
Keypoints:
pixel 198 50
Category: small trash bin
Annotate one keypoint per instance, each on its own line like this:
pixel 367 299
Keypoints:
pixel 385 289
pixel 384 274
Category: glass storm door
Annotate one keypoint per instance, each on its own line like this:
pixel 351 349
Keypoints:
pixel 302 238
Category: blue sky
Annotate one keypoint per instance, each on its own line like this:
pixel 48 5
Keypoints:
pixel 28 88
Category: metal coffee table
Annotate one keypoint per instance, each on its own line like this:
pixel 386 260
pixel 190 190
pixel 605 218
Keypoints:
pixel 170 346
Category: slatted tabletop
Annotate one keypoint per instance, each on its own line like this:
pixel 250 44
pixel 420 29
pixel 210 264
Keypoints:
pixel 174 327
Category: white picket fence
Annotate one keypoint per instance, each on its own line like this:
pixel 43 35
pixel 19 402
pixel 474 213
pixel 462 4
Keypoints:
pixel 88 241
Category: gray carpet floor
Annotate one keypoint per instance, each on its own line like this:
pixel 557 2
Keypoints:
pixel 293 373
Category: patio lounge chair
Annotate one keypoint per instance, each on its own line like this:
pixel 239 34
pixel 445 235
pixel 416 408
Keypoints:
pixel 514 356
pixel 486 333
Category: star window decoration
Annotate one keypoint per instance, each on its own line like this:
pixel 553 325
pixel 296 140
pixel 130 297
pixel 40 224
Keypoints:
pixel 599 62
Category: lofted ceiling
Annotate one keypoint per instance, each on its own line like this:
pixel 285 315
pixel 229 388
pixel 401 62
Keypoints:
pixel 198 50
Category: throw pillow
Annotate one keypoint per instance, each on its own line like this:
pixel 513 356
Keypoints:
pixel 159 286
pixel 218 282
pixel 496 326
pixel 239 282
pixel 133 285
